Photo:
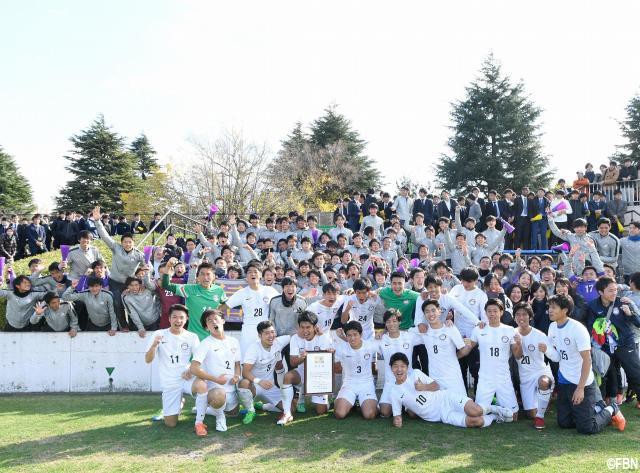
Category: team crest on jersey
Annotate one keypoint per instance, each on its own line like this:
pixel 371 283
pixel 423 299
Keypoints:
pixel 216 298
pixel 367 356
pixel 567 341
pixel 184 346
pixel 505 339
pixel 442 337
pixel 472 302
pixel 233 350
pixel 370 309
pixel 616 311
pixel 531 347
pixel 316 348
pixel 265 300
pixel 405 346
pixel 405 302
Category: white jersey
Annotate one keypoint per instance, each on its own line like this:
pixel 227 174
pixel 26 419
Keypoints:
pixel 326 315
pixel 532 365
pixel 219 357
pixel 494 344
pixel 473 300
pixel 363 313
pixel 173 355
pixel 264 360
pixel 356 364
pixel 387 346
pixel 255 305
pixel 298 345
pixel 442 345
pixel 569 340
pixel 421 403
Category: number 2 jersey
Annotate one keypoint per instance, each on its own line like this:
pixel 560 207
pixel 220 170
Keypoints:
pixel 218 357
pixel 173 355
pixel 494 344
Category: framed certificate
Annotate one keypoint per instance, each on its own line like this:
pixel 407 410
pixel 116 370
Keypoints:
pixel 318 373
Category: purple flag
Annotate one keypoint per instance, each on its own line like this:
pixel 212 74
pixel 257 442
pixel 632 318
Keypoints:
pixel 147 250
pixel 12 276
pixel 415 262
pixel 64 249
pixel 213 209
pixel 314 234
pixel 2 261
pixel 187 257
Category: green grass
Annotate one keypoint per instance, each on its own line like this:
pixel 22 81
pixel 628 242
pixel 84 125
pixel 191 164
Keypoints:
pixel 97 433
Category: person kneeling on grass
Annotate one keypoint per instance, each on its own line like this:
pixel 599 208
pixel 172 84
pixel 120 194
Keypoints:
pixel 174 347
pixel 421 397
pixel 258 367
pixel 217 361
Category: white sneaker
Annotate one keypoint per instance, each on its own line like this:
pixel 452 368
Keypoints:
pixel 285 419
pixel 221 423
pixel 505 413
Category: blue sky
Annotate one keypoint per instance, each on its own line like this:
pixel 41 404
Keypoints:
pixel 175 69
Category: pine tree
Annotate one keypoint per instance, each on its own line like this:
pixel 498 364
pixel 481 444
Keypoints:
pixel 15 190
pixel 146 162
pixel 102 169
pixel 496 138
pixel 630 127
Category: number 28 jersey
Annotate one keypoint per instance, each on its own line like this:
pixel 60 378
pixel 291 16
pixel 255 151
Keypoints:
pixel 218 357
pixel 173 355
pixel 255 305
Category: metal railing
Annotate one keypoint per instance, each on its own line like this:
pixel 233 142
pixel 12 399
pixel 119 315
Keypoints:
pixel 169 224
pixel 630 190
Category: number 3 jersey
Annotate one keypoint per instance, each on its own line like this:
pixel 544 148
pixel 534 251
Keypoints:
pixel 218 357
pixel 356 364
pixel 173 355
pixel 494 344
pixel 264 359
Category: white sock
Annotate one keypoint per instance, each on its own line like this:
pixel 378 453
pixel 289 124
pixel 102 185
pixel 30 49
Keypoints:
pixel 543 401
pixel 609 409
pixel 270 407
pixel 218 411
pixel 201 406
pixel 488 419
pixel 287 398
pixel 490 409
pixel 246 397
pixel 300 389
pixel 280 375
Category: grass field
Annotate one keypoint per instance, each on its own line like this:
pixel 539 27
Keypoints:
pixel 95 433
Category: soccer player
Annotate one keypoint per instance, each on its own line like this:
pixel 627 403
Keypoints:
pixel 496 342
pixel 420 395
pixel 327 308
pixel 254 300
pixel 217 361
pixel 259 363
pixel 304 341
pixel 361 307
pixel 174 347
pixel 580 403
pixel 536 379
pixel 355 358
pixel 198 297
pixel 393 341
pixel 444 345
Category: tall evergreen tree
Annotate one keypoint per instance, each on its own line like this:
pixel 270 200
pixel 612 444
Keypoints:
pixel 146 162
pixel 630 127
pixel 101 168
pixel 15 190
pixel 496 137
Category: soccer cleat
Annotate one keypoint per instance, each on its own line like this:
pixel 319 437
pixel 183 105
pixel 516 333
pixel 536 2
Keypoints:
pixel 258 405
pixel 617 419
pixel 505 413
pixel 301 408
pixel 157 417
pixel 538 423
pixel 285 419
pixel 200 429
pixel 221 423
pixel 248 418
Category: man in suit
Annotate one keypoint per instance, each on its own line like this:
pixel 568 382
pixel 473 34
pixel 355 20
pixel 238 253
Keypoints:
pixel 537 213
pixel 423 205
pixel 597 209
pixel 369 198
pixel 447 206
pixel 492 207
pixel 156 218
pixel 353 212
pixel 385 209
pixel 137 225
pixel 522 234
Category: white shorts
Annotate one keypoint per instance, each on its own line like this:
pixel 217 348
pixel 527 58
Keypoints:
pixel 362 392
pixel 248 337
pixel 273 395
pixel 230 392
pixel 385 397
pixel 172 398
pixel 503 390
pixel 452 383
pixel 452 409
pixel 316 399
pixel 529 391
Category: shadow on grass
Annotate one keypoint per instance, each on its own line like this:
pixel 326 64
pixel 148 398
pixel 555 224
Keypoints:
pixel 309 440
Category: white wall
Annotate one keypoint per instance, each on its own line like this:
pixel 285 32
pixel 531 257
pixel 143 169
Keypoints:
pixel 54 362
